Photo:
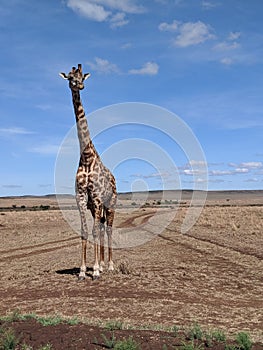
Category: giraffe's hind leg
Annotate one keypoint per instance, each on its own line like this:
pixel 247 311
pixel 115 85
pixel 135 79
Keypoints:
pixel 96 237
pixel 102 243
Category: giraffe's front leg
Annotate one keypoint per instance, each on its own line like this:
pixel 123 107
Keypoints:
pixel 81 199
pixel 82 274
pixel 96 234
pixel 109 233
pixel 110 217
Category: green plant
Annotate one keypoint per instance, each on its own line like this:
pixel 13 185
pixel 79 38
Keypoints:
pixel 208 339
pixel 231 347
pixel 190 346
pixel 14 316
pixel 26 347
pixel 50 321
pixel 126 344
pixel 73 321
pixel 113 325
pixel 195 332
pixel 8 340
pixel 109 343
pixel 46 347
pixel 175 330
pixel 29 316
pixel 218 335
pixel 244 341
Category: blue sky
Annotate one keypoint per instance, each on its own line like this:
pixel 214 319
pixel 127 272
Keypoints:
pixel 199 59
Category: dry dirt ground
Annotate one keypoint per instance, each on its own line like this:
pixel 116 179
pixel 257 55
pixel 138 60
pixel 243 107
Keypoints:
pixel 213 275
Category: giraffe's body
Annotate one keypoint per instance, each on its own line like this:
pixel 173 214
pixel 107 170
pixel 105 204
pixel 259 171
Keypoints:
pixel 95 185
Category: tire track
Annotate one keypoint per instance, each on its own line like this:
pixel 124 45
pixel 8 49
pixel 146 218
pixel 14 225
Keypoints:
pixel 214 243
pixel 37 251
pixel 37 245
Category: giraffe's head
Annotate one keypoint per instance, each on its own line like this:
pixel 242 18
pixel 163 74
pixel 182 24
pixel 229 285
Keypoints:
pixel 75 78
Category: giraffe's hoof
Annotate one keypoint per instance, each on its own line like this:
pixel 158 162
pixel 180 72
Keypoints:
pixel 81 278
pixel 95 278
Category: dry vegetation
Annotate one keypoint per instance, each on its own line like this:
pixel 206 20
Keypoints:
pixel 211 276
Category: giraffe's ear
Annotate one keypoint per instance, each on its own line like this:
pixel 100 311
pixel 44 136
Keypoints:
pixel 63 75
pixel 86 76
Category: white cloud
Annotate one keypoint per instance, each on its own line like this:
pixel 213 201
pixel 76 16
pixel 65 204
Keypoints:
pixel 252 165
pixel 118 20
pixel 128 6
pixel 230 44
pixel 247 165
pixel 89 9
pixel 126 46
pixel 103 66
pixel 44 107
pixel 234 36
pixel 241 171
pixel 149 68
pixel 15 131
pixel 189 33
pixel 193 33
pixel 227 61
pixel 197 163
pixel 166 27
pixel 152 175
pixel 220 172
pixel 193 172
pixel 254 179
pixel 45 149
pixel 208 5
pixel 113 11
pixel 238 170
pixel 225 46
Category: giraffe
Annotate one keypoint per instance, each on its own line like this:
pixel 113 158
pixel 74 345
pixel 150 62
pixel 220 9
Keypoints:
pixel 95 187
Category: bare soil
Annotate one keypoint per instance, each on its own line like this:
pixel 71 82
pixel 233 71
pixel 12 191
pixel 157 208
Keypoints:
pixel 213 275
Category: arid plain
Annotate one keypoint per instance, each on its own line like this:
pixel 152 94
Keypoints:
pixel 212 275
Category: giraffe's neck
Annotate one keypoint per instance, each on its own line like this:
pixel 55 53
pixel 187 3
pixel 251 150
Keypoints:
pixel 81 120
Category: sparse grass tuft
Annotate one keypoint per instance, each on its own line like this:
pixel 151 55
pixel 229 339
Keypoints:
pixel 195 332
pixel 73 321
pixel 8 340
pixel 50 321
pixel 218 335
pixel 190 346
pixel 114 325
pixel 13 317
pixel 46 347
pixel 109 343
pixel 113 343
pixel 126 344
pixel 124 268
pixel 175 330
pixel 231 347
pixel 244 341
